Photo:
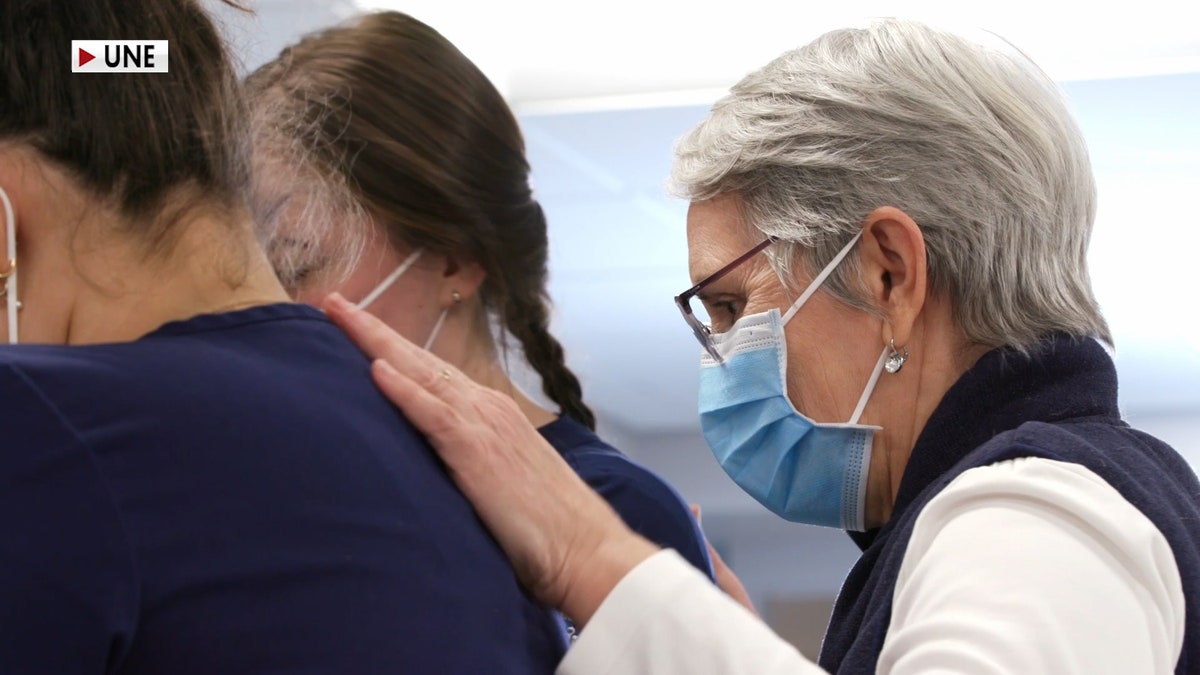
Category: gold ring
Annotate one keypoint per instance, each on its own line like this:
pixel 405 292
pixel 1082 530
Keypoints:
pixel 445 373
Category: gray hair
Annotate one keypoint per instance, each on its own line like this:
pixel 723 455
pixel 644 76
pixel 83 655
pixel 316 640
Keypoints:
pixel 974 143
pixel 307 215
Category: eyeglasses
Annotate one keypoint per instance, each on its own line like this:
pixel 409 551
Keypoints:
pixel 702 330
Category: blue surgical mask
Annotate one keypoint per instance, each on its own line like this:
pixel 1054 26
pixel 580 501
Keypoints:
pixel 802 470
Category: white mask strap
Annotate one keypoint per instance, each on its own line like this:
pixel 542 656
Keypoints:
pixel 391 279
pixel 436 328
pixel 10 284
pixel 820 279
pixel 862 400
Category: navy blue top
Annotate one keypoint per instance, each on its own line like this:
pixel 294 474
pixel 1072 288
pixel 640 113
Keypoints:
pixel 1059 403
pixel 649 506
pixel 231 494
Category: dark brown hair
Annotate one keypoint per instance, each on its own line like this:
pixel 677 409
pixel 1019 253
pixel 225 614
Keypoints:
pixel 430 149
pixel 135 140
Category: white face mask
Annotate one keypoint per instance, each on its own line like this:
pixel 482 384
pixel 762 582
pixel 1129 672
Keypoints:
pixel 391 279
pixel 9 276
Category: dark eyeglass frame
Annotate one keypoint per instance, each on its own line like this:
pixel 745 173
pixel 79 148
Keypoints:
pixel 703 331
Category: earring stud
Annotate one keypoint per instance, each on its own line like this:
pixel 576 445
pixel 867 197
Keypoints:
pixel 456 297
pixel 896 359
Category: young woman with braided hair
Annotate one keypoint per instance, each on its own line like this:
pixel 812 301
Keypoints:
pixel 388 167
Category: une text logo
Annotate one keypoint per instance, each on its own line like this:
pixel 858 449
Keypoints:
pixel 119 56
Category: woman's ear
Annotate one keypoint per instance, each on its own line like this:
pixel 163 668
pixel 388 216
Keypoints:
pixel 461 279
pixel 894 269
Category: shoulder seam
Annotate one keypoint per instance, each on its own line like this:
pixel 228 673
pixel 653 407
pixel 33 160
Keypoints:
pixel 100 478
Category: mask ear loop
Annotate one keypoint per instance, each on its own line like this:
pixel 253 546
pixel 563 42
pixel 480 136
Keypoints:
pixel 808 293
pixel 820 279
pixel 437 327
pixel 391 279
pixel 10 277
pixel 862 400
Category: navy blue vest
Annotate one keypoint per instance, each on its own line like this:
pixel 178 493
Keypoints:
pixel 1060 404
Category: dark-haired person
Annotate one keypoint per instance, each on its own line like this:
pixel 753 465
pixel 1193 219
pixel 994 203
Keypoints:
pixel 389 168
pixel 197 476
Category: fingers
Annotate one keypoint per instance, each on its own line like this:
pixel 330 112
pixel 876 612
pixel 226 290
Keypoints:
pixel 368 332
pixel 379 341
pixel 726 579
pixel 425 409
pixel 719 566
pixel 729 582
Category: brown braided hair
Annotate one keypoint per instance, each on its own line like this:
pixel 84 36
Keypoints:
pixel 425 143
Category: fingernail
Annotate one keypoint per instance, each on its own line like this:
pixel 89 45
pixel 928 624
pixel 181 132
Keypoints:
pixel 337 299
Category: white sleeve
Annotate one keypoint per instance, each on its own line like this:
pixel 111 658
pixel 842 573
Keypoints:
pixel 1028 566
pixel 1034 566
pixel 666 618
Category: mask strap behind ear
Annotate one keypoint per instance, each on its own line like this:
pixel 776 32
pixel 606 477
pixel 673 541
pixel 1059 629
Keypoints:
pixel 820 279
pixel 862 400
pixel 10 276
pixel 391 279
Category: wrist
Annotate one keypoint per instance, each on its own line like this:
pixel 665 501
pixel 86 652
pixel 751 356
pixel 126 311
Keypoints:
pixel 592 577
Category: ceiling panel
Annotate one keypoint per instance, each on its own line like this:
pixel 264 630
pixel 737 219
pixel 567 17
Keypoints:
pixel 547 50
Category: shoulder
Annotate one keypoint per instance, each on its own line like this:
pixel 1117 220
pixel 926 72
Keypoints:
pixel 648 504
pixel 52 367
pixel 24 400
pixel 1069 495
pixel 1059 502
pixel 1051 552
pixel 42 357
pixel 643 499
pixel 69 569
pixel 37 431
pixel 78 383
pixel 608 471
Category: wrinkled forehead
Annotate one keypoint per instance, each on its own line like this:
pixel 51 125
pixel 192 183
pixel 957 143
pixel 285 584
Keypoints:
pixel 717 234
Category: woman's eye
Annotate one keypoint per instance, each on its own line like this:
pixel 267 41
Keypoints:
pixel 723 312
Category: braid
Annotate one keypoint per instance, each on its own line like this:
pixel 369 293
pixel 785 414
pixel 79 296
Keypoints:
pixel 528 321
pixel 526 314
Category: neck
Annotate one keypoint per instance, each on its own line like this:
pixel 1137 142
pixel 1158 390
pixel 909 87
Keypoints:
pixel 477 357
pixel 939 356
pixel 500 381
pixel 118 293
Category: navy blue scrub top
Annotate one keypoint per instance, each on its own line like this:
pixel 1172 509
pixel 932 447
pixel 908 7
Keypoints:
pixel 231 494
pixel 648 505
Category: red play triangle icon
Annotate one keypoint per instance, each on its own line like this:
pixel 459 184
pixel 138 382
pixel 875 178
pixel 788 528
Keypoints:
pixel 84 58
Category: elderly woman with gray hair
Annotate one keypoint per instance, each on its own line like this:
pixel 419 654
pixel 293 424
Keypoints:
pixel 888 234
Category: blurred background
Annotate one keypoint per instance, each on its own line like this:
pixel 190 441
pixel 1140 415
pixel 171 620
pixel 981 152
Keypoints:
pixel 602 91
